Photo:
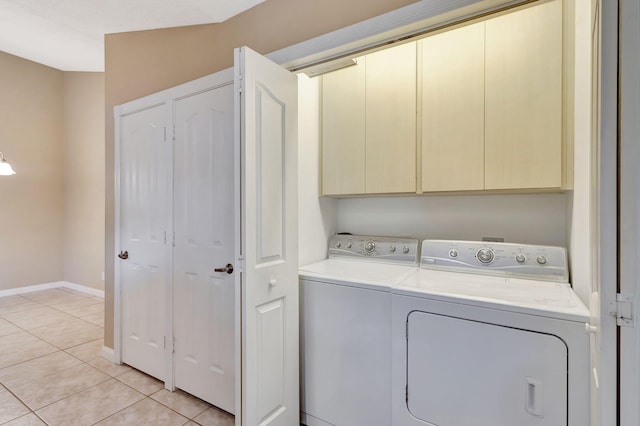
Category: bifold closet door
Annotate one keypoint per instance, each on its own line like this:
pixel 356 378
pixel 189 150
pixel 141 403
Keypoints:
pixel 144 203
pixel 203 207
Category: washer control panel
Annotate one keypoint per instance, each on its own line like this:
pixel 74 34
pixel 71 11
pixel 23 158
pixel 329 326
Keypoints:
pixel 545 263
pixel 385 249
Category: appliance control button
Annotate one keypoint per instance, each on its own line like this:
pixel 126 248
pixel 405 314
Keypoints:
pixel 392 249
pixel 453 253
pixel 405 249
pixel 369 246
pixel 520 258
pixel 338 244
pixel 485 255
pixel 542 260
pixel 349 245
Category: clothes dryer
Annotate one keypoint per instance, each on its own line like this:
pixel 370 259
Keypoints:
pixel 489 334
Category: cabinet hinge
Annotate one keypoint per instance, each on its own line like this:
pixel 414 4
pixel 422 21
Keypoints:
pixel 173 347
pixel 165 133
pixel 165 342
pixel 173 132
pixel 173 240
pixel 622 309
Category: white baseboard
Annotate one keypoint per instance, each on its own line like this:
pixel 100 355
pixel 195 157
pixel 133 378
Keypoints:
pixel 84 289
pixel 47 286
pixel 108 354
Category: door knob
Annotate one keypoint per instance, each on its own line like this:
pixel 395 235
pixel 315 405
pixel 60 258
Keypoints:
pixel 228 269
pixel 124 255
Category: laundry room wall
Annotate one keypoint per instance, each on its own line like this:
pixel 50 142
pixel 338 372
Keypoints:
pixel 317 216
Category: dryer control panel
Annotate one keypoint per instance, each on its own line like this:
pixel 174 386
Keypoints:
pixel 381 249
pixel 545 263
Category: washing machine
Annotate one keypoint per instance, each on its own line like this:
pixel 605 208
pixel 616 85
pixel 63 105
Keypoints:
pixel 345 329
pixel 489 334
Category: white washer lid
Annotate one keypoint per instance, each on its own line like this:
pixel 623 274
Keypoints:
pixel 543 298
pixel 356 273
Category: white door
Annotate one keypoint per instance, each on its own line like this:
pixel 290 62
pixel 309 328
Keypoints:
pixel 144 203
pixel 266 105
pixel 203 211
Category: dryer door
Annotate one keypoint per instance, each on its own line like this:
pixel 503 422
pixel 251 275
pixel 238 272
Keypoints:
pixel 463 372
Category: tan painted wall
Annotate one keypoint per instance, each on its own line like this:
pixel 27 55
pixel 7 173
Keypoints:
pixel 83 228
pixel 31 132
pixel 138 64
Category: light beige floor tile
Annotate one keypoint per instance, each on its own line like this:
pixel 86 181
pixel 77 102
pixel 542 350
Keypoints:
pixel 13 300
pixel 85 309
pixel 146 412
pixel 76 302
pixel 108 367
pixel 37 317
pixel 20 347
pixel 215 417
pixel 95 318
pixel 191 423
pixel 7 328
pixel 92 405
pixel 87 351
pixel 37 368
pixel 69 333
pixel 38 393
pixel 28 420
pixel 185 404
pixel 141 382
pixel 44 296
pixel 9 309
pixel 10 407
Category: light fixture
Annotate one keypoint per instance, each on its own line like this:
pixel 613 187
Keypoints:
pixel 5 168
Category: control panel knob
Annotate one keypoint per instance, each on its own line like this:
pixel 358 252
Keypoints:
pixel 485 255
pixel 405 249
pixel 392 249
pixel 349 245
pixel 338 244
pixel 520 258
pixel 453 253
pixel 542 260
pixel 369 246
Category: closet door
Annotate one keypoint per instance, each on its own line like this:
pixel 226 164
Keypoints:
pixel 266 100
pixel 204 240
pixel 144 209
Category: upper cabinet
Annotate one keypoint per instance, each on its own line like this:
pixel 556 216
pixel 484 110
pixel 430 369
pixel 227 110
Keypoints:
pixel 369 125
pixel 523 99
pixel 452 116
pixel 343 121
pixel 476 107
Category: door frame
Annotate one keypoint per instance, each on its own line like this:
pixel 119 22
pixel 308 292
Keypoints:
pixel 629 206
pixel 167 98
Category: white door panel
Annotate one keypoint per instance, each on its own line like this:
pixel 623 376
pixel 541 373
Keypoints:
pixel 204 240
pixel 267 103
pixel 144 200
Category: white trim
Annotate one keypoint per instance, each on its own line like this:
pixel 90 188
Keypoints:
pixel 47 286
pixel 629 203
pixel 108 353
pixel 384 29
pixel 84 289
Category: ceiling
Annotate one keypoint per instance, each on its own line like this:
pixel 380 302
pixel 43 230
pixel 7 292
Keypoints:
pixel 69 34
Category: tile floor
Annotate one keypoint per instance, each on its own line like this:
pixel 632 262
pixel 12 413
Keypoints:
pixel 51 370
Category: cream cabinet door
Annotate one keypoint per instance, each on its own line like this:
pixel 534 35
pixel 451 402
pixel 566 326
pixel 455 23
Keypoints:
pixel 343 143
pixel 391 120
pixel 523 93
pixel 452 116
